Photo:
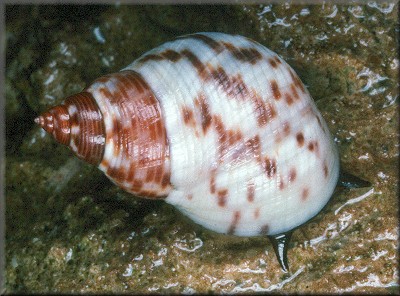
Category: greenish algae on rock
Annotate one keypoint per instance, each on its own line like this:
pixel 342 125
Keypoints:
pixel 68 229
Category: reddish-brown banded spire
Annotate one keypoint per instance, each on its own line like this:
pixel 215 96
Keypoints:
pixel 125 116
pixel 87 127
pixel 77 123
pixel 56 122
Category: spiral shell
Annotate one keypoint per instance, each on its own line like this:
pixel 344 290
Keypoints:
pixel 217 125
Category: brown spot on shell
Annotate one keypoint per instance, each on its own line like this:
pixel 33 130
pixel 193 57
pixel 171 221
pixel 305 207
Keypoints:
pixel 292 175
pixel 220 77
pixel 273 62
pixel 168 55
pixel 281 183
pixel 289 99
pixel 203 108
pixel 222 196
pixel 286 128
pixel 257 213
pixel 254 146
pixel 213 44
pixel 234 136
pixel 222 134
pixel 275 90
pixel 305 193
pixel 233 86
pixel 117 140
pixel 188 116
pixel 264 112
pixel 251 190
pixel 271 111
pixel 284 132
pixel 269 166
pixel 294 92
pixel 171 55
pixel 197 64
pixel 250 55
pixel 300 139
pixel 277 60
pixel 212 180
pixel 227 139
pixel 260 110
pixel 150 57
pixel 325 167
pixel 189 196
pixel 313 146
pixel 234 223
pixel 175 56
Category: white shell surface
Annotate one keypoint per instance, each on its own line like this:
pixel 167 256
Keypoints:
pixel 250 153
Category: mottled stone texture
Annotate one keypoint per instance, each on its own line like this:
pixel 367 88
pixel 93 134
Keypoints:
pixel 68 229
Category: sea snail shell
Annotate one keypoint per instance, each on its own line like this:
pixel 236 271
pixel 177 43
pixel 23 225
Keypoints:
pixel 217 125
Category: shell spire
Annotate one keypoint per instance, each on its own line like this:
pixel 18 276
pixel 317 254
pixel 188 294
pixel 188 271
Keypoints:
pixel 116 124
pixel 56 121
pixel 77 123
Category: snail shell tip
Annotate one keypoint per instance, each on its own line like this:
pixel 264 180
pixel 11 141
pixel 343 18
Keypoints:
pixel 56 121
pixel 66 123
pixel 39 120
